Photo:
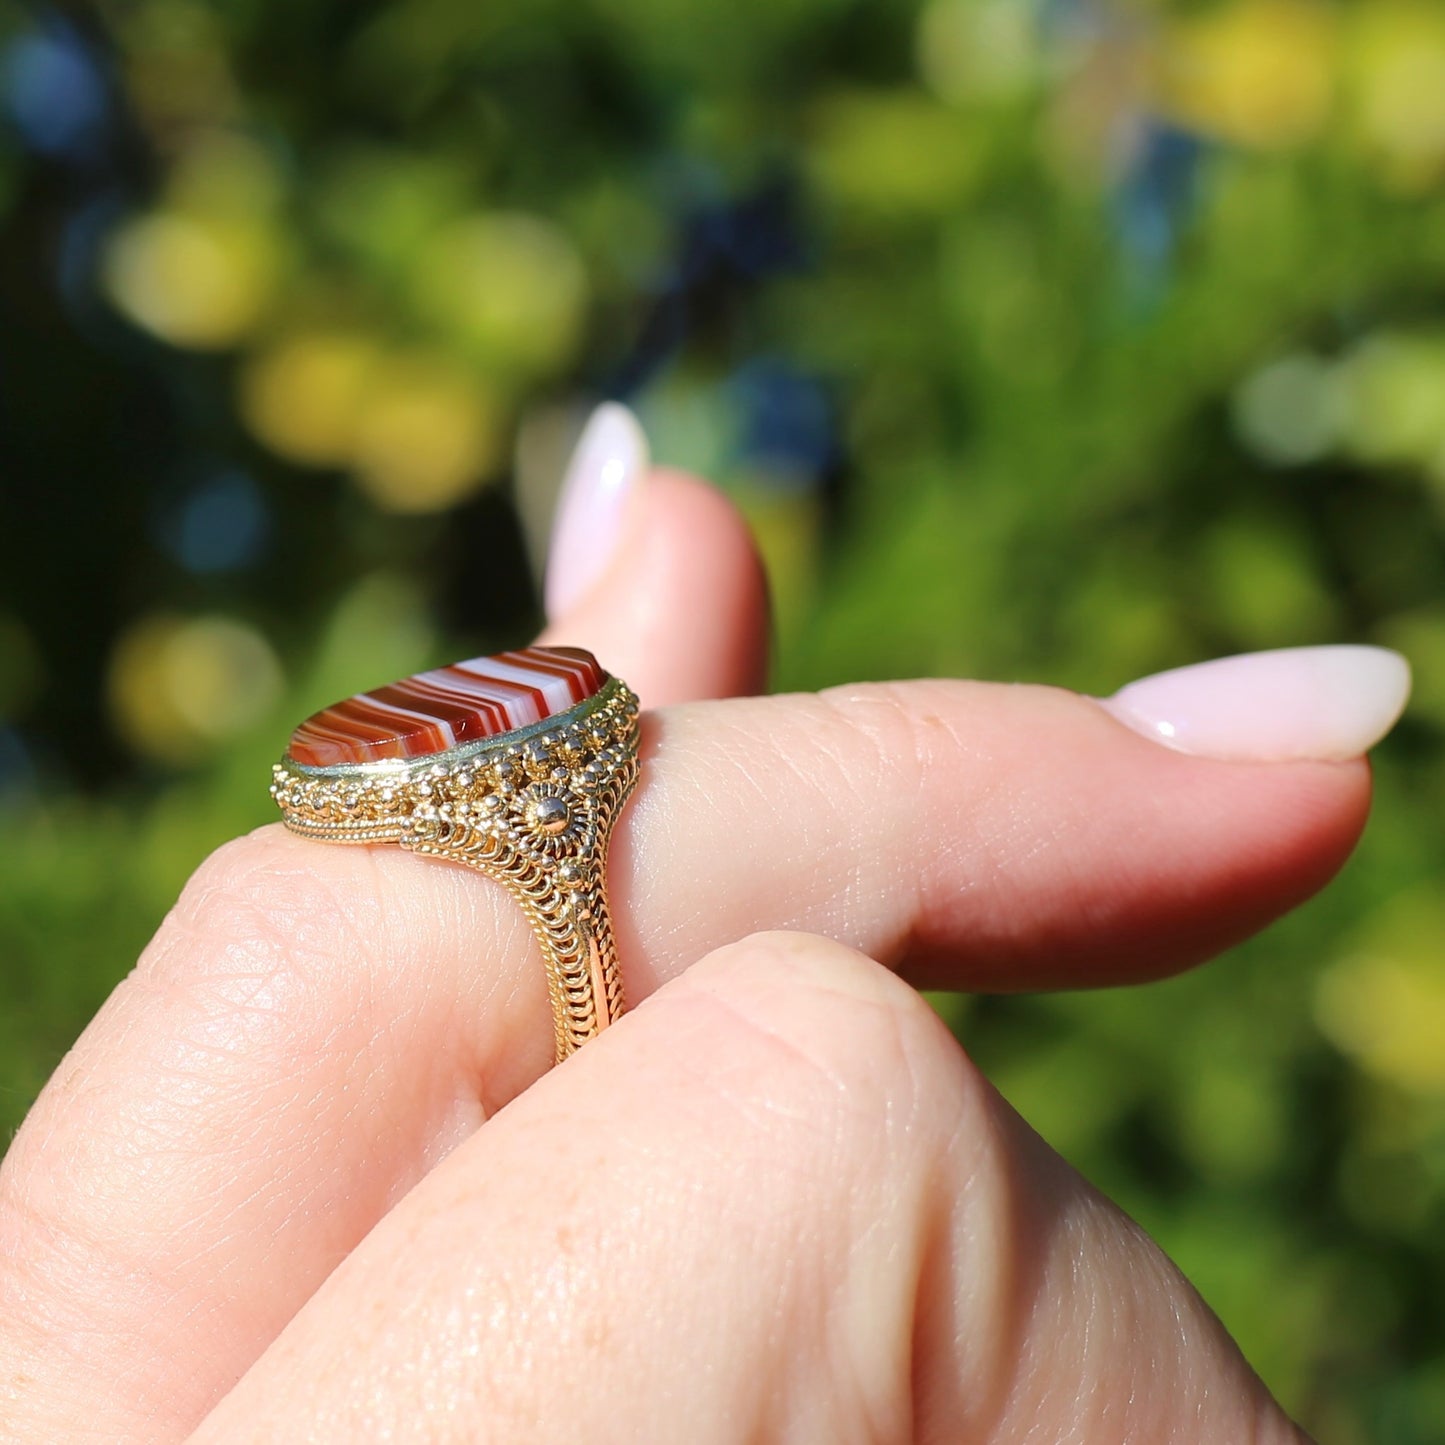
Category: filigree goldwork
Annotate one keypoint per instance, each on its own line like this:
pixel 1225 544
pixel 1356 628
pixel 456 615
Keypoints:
pixel 533 809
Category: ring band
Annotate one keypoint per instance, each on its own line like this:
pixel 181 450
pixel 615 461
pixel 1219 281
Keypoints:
pixel 515 765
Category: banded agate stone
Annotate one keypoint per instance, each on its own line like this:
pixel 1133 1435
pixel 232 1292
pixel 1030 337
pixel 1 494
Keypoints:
pixel 433 711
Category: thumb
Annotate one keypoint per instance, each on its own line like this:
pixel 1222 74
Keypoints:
pixel 654 571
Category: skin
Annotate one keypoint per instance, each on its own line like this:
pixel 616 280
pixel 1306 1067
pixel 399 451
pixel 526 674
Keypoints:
pixel 308 1175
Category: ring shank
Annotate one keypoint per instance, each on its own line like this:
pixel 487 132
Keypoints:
pixel 573 927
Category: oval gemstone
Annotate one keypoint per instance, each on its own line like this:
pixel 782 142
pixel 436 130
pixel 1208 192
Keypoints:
pixel 437 710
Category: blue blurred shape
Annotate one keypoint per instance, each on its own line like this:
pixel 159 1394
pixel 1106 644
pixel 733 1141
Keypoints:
pixel 1156 197
pixel 53 91
pixel 221 526
pixel 84 232
pixel 19 779
pixel 786 420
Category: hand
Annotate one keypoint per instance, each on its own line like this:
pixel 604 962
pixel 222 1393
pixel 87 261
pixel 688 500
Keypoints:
pixel 307 1175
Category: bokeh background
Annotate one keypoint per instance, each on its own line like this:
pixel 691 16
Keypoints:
pixel 1040 339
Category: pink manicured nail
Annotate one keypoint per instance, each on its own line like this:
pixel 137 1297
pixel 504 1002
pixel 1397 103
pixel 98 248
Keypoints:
pixel 607 467
pixel 1321 703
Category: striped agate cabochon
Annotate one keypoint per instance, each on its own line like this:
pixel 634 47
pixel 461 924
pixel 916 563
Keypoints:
pixel 433 711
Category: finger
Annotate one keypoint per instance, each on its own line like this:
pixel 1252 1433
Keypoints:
pixel 315 1027
pixel 776 1204
pixel 655 572
pixel 682 615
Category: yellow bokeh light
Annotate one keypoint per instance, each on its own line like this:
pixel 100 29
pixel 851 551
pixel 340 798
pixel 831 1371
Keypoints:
pixel 1398 64
pixel 179 688
pixel 196 281
pixel 1393 382
pixel 892 152
pixel 304 395
pixel 429 436
pixel 510 287
pixel 1388 1013
pixel 1383 1004
pixel 1257 72
pixel 988 50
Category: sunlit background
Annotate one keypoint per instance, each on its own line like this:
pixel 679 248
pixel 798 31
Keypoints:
pixel 1039 339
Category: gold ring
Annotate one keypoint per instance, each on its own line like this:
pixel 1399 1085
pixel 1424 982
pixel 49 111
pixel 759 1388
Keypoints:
pixel 515 765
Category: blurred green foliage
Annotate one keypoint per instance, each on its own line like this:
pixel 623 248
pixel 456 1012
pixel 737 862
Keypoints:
pixel 1041 339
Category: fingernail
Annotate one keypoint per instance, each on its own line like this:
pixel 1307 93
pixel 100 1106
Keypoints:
pixel 1320 703
pixel 606 470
